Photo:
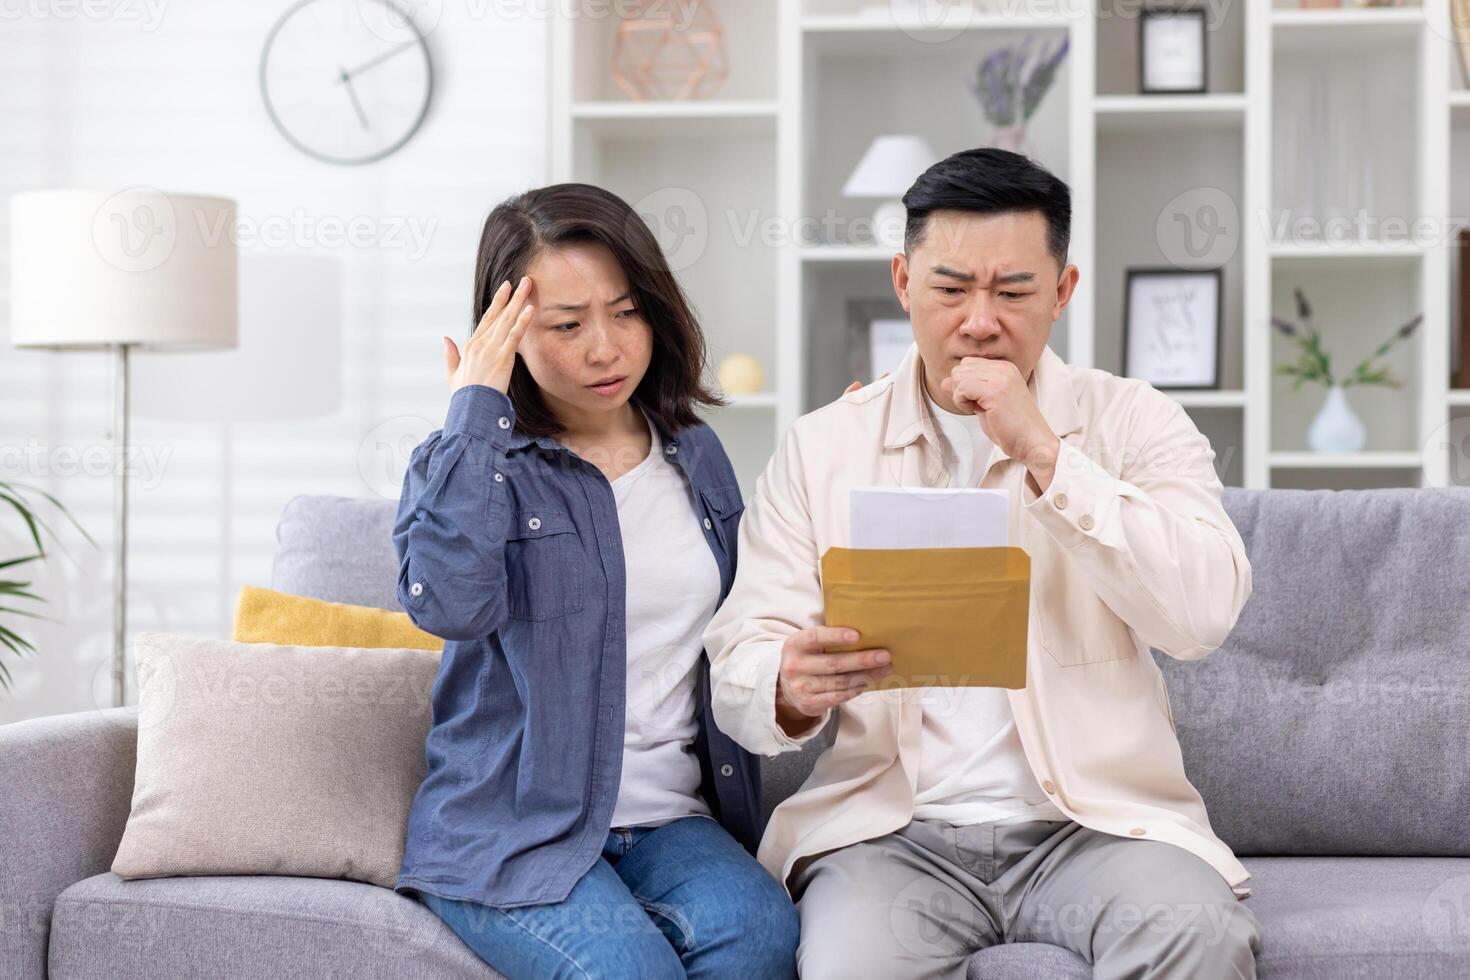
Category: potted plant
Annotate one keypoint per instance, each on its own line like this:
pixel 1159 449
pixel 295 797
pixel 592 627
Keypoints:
pixel 13 592
pixel 1337 428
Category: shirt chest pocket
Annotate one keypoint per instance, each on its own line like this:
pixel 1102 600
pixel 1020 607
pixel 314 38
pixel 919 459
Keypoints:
pixel 1076 626
pixel 723 507
pixel 543 564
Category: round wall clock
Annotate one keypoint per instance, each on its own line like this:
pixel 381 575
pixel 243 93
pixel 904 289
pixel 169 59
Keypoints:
pixel 346 81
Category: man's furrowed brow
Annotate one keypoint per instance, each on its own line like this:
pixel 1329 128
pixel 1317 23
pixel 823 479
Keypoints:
pixel 1009 279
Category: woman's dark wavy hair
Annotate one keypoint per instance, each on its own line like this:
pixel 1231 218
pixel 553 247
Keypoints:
pixel 522 227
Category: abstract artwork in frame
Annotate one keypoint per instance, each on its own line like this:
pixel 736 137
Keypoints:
pixel 1171 327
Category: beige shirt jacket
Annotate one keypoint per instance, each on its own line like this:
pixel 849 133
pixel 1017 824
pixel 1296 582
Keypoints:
pixel 1130 548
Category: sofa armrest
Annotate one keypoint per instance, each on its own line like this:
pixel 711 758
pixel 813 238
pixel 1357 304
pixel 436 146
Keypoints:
pixel 66 787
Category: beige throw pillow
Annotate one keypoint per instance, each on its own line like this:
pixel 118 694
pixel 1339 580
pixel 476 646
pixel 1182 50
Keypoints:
pixel 260 758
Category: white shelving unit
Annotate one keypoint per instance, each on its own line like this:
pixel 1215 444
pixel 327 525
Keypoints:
pixel 757 171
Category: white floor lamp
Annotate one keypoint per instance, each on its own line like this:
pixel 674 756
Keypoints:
pixel 105 270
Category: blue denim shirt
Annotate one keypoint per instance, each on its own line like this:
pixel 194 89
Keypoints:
pixel 509 548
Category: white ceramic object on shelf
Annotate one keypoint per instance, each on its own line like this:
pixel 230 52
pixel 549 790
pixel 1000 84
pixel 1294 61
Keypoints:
pixel 1337 428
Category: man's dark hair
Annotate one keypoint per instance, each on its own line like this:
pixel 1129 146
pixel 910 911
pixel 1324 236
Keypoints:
pixel 990 180
pixel 524 226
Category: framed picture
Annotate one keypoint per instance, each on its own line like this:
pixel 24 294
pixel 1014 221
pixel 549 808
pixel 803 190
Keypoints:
pixel 1171 326
pixel 1461 377
pixel 878 336
pixel 1460 24
pixel 1171 51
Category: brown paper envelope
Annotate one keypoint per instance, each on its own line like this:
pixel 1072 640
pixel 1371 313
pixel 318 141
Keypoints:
pixel 951 617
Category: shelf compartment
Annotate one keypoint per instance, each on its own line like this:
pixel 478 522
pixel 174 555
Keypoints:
pixel 865 83
pixel 1118 55
pixel 1343 118
pixel 1356 304
pixel 750 35
pixel 1146 182
pixel 1223 425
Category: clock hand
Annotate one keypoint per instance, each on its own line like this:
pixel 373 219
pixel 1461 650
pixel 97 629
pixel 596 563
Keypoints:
pixel 352 94
pixel 346 75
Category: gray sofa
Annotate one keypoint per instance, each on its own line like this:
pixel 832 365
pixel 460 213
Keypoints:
pixel 1328 737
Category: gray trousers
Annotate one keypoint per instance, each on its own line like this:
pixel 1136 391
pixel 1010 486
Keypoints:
pixel 919 902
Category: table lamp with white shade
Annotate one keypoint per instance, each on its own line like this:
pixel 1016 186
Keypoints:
pixel 886 171
pixel 118 270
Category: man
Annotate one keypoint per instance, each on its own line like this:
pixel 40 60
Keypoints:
pixel 944 820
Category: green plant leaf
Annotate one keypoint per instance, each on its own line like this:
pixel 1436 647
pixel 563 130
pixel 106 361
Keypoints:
pixel 15 641
pixel 60 507
pixel 25 515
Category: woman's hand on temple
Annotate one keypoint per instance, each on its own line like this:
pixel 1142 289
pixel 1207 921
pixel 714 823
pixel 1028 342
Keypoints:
pixel 490 353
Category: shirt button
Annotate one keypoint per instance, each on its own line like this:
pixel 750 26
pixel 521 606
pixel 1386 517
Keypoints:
pixel 1061 501
pixel 534 524
pixel 504 422
pixel 1137 831
pixel 1048 786
pixel 499 477
pixel 707 524
pixel 727 770
pixel 416 588
pixel 1085 522
pixel 670 449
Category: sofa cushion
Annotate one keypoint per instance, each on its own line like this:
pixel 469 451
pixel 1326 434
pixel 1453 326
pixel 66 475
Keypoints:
pixel 260 758
pixel 1321 918
pixel 1332 719
pixel 258 927
pixel 339 549
pixel 1362 918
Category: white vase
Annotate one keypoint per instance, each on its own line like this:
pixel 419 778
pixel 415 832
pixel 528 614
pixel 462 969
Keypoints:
pixel 1336 429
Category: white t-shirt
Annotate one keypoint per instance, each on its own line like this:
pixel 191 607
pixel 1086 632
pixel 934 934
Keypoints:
pixel 972 767
pixel 673 587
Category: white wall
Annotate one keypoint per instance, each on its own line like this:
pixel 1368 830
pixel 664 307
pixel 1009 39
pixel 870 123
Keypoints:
pixel 165 94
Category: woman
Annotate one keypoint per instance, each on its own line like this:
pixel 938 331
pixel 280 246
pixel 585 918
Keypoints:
pixel 570 531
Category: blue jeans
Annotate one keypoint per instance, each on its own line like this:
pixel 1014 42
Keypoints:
pixel 680 899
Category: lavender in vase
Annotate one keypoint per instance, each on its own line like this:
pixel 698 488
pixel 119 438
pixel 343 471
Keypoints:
pixel 1010 84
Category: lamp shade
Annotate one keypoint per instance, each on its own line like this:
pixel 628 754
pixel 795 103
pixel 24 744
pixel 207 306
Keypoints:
pixel 890 166
pixel 93 268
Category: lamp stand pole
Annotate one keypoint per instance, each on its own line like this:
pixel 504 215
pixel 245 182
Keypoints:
pixel 120 525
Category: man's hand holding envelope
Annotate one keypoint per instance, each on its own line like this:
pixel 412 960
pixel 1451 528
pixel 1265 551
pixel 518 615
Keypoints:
pixel 931 593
